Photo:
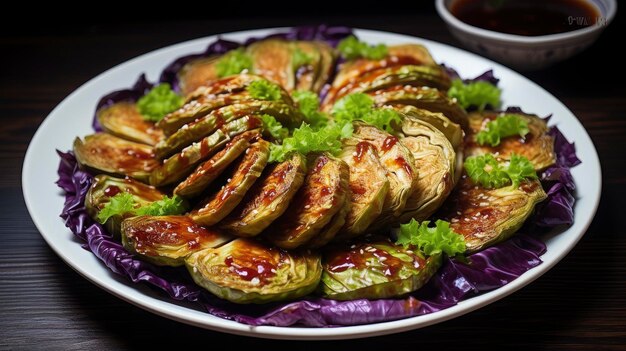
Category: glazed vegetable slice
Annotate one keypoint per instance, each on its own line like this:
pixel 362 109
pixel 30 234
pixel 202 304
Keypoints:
pixel 327 65
pixel 305 60
pixel 220 93
pixel 435 161
pixel 208 171
pixel 197 73
pixel 369 186
pixel 124 120
pixel 246 271
pixel 537 146
pixel 180 165
pixel 199 108
pixel 399 164
pixel 227 85
pixel 272 59
pixel 315 203
pixel 425 98
pixel 268 199
pixel 217 206
pixel 409 75
pixel 167 240
pixel 487 216
pixel 206 125
pixel 452 131
pixel 376 270
pixel 330 231
pixel 105 153
pixel 398 55
pixel 104 187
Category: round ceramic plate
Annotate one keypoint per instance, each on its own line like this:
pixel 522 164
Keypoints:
pixel 73 116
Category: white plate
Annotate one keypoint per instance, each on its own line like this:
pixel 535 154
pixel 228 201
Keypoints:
pixel 72 118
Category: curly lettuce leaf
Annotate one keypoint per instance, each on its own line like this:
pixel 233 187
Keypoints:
pixel 503 126
pixel 359 106
pixel 431 240
pixel 123 204
pixel 233 62
pixel 120 204
pixel 308 103
pixel 300 58
pixel 306 139
pixel 478 94
pixel 273 127
pixel 351 48
pixel 488 172
pixel 166 206
pixel 264 90
pixel 158 102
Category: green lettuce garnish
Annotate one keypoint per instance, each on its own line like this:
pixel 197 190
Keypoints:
pixel 306 139
pixel 273 127
pixel 503 126
pixel 488 172
pixel 476 94
pixel 233 62
pixel 120 204
pixel 309 103
pixel 124 203
pixel 158 102
pixel 359 106
pixel 164 207
pixel 264 90
pixel 431 240
pixel 351 48
pixel 300 58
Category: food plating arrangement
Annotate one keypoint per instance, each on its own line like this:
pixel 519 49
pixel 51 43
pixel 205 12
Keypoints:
pixel 308 178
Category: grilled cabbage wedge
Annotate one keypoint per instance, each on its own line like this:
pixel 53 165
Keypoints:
pixel 197 73
pixel 314 205
pixel 211 169
pixel 168 240
pixel 104 187
pixel 268 199
pixel 368 184
pixel 376 270
pixel 218 205
pixel 435 161
pixel 399 165
pixel 247 271
pixel 397 55
pixel 105 153
pixel 422 97
pixel 537 146
pixel 123 119
pixel 182 164
pixel 488 216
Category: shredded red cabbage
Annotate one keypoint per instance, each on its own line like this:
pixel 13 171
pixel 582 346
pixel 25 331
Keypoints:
pixel 558 208
pixel 487 76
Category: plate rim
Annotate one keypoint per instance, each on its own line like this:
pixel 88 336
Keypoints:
pixel 199 318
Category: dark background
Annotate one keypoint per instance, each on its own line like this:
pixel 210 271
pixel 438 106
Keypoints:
pixel 580 304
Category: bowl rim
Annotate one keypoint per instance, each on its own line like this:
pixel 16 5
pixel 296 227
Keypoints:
pixel 450 19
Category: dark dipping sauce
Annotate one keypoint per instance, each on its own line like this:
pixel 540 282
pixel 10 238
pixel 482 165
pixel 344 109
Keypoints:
pixel 527 18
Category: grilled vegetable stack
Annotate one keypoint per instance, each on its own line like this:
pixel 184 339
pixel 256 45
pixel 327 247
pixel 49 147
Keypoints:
pixel 266 194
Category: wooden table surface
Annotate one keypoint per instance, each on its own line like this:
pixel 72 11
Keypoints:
pixel 580 304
